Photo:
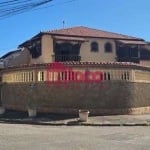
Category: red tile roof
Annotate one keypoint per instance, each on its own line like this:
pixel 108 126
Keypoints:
pixel 81 31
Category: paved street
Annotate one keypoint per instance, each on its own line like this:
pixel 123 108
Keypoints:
pixel 29 137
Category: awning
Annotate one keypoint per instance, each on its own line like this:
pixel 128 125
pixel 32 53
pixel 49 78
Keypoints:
pixel 131 42
pixel 67 38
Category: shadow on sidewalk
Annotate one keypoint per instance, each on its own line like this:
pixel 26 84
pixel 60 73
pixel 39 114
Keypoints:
pixel 23 116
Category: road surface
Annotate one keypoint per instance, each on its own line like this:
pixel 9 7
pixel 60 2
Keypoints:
pixel 29 137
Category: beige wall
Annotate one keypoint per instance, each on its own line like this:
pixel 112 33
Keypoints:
pixel 47 50
pixel 142 76
pixel 101 55
pixel 43 74
pixel 24 58
pixel 85 51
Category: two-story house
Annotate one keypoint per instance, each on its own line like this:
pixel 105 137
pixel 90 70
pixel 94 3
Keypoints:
pixel 123 64
pixel 84 44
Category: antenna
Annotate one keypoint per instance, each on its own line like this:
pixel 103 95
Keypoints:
pixel 63 22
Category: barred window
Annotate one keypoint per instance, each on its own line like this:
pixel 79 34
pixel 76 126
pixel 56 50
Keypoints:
pixel 94 47
pixel 108 47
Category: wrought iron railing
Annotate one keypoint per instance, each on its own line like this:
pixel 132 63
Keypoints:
pixel 128 59
pixel 62 58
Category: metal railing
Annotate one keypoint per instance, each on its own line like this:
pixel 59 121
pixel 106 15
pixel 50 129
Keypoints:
pixel 62 58
pixel 128 59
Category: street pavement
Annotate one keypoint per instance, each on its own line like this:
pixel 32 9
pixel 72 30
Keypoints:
pixel 33 137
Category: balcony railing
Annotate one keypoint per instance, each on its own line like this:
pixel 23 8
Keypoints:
pixel 63 58
pixel 145 57
pixel 128 59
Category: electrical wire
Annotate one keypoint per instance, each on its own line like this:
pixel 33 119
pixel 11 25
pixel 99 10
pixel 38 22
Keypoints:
pixel 14 7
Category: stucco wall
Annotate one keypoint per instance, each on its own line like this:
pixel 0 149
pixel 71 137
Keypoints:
pixel 101 55
pixel 17 58
pixel 47 50
pixel 23 58
pixel 142 76
pixel 109 97
pixel 85 51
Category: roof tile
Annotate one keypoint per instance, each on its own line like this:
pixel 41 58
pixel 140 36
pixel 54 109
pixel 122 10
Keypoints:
pixel 82 31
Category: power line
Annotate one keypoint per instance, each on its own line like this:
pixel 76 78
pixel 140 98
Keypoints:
pixel 12 2
pixel 8 2
pixel 15 7
pixel 20 7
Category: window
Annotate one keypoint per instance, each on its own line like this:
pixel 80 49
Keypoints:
pixel 35 49
pixel 94 46
pixel 108 47
pixel 134 52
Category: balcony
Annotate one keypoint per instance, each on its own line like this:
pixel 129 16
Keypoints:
pixel 62 58
pixel 128 59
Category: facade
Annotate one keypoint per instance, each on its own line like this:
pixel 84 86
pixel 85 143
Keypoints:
pixel 84 44
pixel 123 83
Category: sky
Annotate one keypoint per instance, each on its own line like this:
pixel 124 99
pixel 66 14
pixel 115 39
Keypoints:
pixel 129 17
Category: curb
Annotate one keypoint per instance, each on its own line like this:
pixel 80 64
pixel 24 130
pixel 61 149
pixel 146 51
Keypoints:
pixel 74 123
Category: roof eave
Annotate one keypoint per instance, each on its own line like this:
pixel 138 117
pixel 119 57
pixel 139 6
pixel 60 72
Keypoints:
pixel 58 34
pixel 37 36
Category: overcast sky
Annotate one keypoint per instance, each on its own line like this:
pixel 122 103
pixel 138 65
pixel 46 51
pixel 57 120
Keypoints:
pixel 130 17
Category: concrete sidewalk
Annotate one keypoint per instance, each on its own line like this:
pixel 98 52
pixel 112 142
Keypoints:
pixel 55 119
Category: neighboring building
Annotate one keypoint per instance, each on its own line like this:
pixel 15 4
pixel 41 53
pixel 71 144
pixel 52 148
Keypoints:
pixel 15 58
pixel 122 63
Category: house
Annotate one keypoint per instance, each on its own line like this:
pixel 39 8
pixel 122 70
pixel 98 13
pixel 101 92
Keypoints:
pixel 84 44
pixel 15 58
pixel 104 72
